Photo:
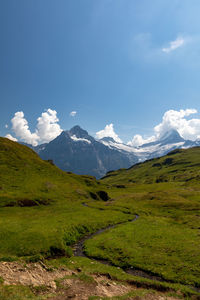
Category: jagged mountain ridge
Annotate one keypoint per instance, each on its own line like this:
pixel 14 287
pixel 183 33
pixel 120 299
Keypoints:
pixel 76 151
pixel 171 140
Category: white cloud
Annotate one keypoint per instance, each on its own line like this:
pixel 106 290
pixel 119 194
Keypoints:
pixel 189 129
pixel 21 129
pixel 108 131
pixel 73 113
pixel 6 126
pixel 10 137
pixel 144 48
pixel 138 140
pixel 173 45
pixel 172 119
pixel 47 126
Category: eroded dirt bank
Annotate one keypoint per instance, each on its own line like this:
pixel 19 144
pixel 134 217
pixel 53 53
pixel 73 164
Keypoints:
pixel 62 283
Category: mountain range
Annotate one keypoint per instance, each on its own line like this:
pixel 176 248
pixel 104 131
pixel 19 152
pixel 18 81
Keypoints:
pixel 169 141
pixel 76 151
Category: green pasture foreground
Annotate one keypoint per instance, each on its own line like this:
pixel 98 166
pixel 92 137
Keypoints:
pixel 152 244
pixel 42 213
pixel 41 210
pixel 165 239
pixel 48 231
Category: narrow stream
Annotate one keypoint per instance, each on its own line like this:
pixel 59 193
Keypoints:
pixel 78 250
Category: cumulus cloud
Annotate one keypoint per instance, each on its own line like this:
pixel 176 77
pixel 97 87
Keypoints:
pixel 10 137
pixel 47 126
pixel 138 140
pixel 189 129
pixel 172 119
pixel 108 131
pixel 46 130
pixel 73 113
pixel 21 129
pixel 173 45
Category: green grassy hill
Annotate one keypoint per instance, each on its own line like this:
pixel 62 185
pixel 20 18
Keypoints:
pixel 165 240
pixel 178 165
pixel 27 180
pixel 41 211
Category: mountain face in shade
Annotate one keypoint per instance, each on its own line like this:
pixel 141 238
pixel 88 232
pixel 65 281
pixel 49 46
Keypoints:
pixel 80 153
pixel 79 132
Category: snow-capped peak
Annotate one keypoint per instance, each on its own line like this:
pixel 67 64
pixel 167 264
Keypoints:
pixel 171 136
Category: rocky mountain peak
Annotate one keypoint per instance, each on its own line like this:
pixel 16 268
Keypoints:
pixel 78 132
pixel 171 136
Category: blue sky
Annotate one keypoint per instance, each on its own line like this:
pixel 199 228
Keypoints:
pixel 124 62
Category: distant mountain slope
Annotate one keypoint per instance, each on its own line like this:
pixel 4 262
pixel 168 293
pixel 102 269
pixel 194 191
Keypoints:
pixel 169 141
pixel 78 152
pixel 178 165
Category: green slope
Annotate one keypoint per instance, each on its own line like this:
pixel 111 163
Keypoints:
pixel 41 211
pixel 165 240
pixel 24 176
pixel 179 165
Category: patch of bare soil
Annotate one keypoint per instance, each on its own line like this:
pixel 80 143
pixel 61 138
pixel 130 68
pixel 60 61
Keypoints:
pixel 77 289
pixel 33 274
pixel 102 287
pixel 70 286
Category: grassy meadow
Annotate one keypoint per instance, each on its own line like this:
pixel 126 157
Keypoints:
pixel 165 240
pixel 41 211
pixel 42 214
